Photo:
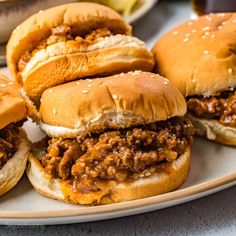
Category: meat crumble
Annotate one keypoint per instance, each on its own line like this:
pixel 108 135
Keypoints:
pixel 9 142
pixel 115 154
pixel 62 33
pixel 221 107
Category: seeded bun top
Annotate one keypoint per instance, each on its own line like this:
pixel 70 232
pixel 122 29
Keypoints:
pixel 12 105
pixel 120 101
pixel 81 17
pixel 199 56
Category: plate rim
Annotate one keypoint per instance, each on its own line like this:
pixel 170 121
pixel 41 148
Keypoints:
pixel 124 206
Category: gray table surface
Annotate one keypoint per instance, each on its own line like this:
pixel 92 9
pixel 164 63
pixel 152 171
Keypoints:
pixel 212 215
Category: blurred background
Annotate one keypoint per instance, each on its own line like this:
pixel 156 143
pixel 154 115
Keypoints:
pixel 12 12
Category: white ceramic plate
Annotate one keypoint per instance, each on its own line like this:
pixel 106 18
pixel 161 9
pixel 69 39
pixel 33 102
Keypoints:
pixel 213 168
pixel 140 12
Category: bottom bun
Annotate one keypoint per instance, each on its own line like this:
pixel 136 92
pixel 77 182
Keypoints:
pixel 168 177
pixel 214 130
pixel 13 170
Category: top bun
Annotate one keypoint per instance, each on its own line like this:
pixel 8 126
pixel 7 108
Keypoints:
pixel 119 101
pixel 81 17
pixel 199 56
pixel 12 105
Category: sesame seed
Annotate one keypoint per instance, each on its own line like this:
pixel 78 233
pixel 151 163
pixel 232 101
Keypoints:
pixel 40 11
pixel 203 36
pixel 206 52
pixel 89 80
pixel 152 76
pixel 175 33
pixel 234 21
pixel 190 23
pixel 54 111
pixel 136 72
pixel 84 91
pixel 209 18
pixel 207 33
pixel 212 36
pixel 3 85
pixel 185 40
pixel 224 22
pixel 206 28
pixel 50 90
pixel 219 27
pixel 221 14
pixel 166 82
pixel 10 83
pixel 187 35
pixel 194 30
pixel 90 85
pixel 122 74
pixel 193 80
pixel 115 96
pixel 147 174
pixel 230 70
pixel 130 73
pixel 77 82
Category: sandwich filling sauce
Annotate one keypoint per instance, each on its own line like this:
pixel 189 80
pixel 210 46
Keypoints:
pixel 119 155
pixel 63 33
pixel 221 107
pixel 9 142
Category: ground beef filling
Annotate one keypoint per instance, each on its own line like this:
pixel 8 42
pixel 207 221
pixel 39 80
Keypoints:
pixel 62 33
pixel 113 155
pixel 222 107
pixel 9 142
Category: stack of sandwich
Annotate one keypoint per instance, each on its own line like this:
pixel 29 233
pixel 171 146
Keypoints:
pixel 115 130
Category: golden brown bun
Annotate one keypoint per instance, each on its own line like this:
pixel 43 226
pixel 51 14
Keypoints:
pixel 81 17
pixel 12 171
pixel 12 105
pixel 63 62
pixel 119 101
pixel 168 177
pixel 199 56
pixel 214 130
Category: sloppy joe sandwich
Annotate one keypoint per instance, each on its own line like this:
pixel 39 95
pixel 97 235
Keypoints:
pixel 73 41
pixel 14 146
pixel 199 57
pixel 112 139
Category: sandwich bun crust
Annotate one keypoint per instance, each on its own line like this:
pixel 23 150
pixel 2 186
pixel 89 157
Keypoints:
pixel 13 170
pixel 66 61
pixel 120 101
pixel 13 107
pixel 168 177
pixel 214 130
pixel 81 17
pixel 199 56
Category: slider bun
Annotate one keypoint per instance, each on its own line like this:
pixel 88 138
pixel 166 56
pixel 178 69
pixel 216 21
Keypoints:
pixel 67 61
pixel 12 105
pixel 81 17
pixel 119 101
pixel 12 171
pixel 168 177
pixel 199 56
pixel 214 130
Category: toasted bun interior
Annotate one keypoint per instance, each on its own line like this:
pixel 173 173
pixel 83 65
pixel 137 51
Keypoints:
pixel 12 171
pixel 199 56
pixel 12 105
pixel 119 101
pixel 167 178
pixel 214 130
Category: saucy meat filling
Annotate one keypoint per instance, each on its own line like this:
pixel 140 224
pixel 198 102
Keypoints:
pixel 221 107
pixel 9 142
pixel 114 155
pixel 62 33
